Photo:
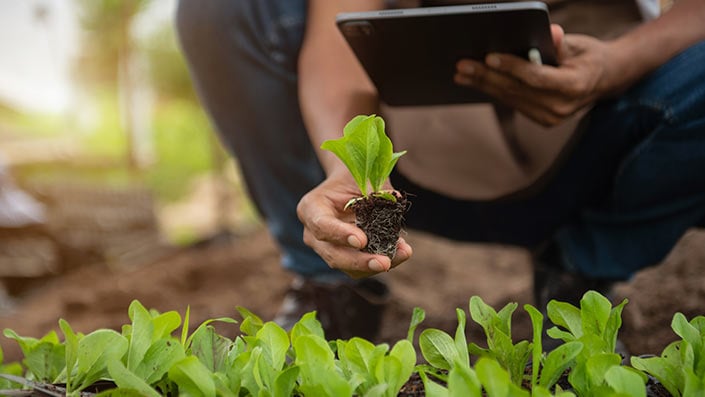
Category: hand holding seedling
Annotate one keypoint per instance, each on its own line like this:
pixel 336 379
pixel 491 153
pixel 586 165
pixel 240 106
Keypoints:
pixel 329 226
pixel 330 231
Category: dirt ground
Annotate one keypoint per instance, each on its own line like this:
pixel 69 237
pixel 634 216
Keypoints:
pixel 214 278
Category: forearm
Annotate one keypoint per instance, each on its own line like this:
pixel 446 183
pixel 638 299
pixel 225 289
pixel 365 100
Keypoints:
pixel 652 44
pixel 333 87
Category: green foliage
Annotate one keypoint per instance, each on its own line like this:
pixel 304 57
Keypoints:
pixel 44 358
pixel 498 329
pixel 594 326
pixel 366 151
pixel 184 146
pixel 168 72
pixel 266 360
pixel 14 369
pixel 681 366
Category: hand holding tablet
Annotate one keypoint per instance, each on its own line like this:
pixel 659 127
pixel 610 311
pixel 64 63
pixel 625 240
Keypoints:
pixel 411 54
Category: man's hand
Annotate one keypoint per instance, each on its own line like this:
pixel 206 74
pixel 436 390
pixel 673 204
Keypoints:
pixel 332 233
pixel 545 93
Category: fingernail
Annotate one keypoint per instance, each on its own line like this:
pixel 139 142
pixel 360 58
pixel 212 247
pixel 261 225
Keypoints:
pixel 467 69
pixel 493 60
pixel 375 266
pixel 354 242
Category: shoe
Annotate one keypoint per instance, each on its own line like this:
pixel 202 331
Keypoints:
pixel 345 309
pixel 552 281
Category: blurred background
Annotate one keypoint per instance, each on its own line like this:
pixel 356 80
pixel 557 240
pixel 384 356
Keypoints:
pixel 105 154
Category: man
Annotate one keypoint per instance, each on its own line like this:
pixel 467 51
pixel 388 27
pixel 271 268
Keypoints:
pixel 595 205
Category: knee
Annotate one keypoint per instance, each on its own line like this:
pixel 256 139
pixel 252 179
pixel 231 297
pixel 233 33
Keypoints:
pixel 676 89
pixel 201 24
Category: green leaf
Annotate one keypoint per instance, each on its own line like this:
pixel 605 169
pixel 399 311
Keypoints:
pixel 505 318
pixel 431 388
pixel 366 151
pixel 463 382
pixel 307 325
pixel 388 372
pixel 417 317
pixel 165 324
pixel 594 313
pixel 567 316
pixel 667 369
pixel 44 358
pixel 403 351
pixel 141 335
pixel 496 380
pixel 206 323
pixel 484 315
pixel 438 348
pixel 379 390
pixel 126 379
pixel 285 382
pixel 211 348
pixel 250 377
pixel 9 369
pixel 71 352
pixel 251 323
pixel 95 351
pixel 192 377
pixel 358 354
pixel 613 325
pixel 625 382
pixel 461 343
pixel 121 392
pixel 226 385
pixel 160 356
pixel 537 349
pixel 516 361
pixel 590 374
pixel 383 156
pixel 687 331
pixel 694 385
pixel 184 327
pixel 318 373
pixel 275 343
pixel 557 361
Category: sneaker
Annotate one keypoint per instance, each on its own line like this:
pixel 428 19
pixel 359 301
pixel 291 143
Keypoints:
pixel 345 309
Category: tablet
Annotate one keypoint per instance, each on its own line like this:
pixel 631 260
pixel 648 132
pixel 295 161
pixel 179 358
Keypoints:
pixel 410 54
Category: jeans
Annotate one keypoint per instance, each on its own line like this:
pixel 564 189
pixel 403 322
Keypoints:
pixel 629 188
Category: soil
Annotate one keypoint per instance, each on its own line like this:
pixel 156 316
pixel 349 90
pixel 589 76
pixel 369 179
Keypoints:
pixel 382 220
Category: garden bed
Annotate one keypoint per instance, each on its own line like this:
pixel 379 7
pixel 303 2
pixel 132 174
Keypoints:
pixel 156 354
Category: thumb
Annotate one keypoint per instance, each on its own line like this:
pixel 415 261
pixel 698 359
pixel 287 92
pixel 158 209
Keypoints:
pixel 557 34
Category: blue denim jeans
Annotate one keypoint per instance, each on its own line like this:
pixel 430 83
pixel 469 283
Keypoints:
pixel 632 183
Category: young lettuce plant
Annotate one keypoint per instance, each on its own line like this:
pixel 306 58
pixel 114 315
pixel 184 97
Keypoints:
pixel 681 366
pixel 367 152
pixel 597 369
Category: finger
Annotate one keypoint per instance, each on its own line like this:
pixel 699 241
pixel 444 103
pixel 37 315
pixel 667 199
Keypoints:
pixel 535 104
pixel 326 224
pixel 557 34
pixel 404 252
pixel 543 77
pixel 348 259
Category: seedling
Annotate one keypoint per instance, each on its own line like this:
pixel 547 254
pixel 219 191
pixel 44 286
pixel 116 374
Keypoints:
pixel 367 152
pixel 681 366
